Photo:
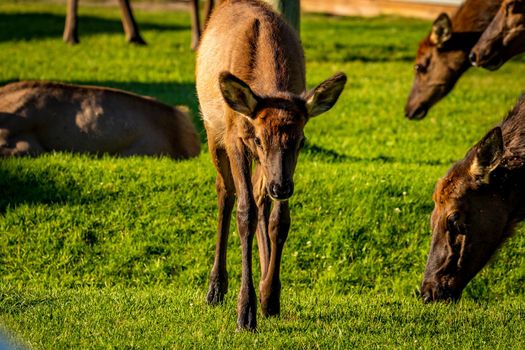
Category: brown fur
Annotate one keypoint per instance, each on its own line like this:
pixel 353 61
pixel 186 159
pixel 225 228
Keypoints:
pixel 38 117
pixel 477 205
pixel 439 66
pixel 251 87
pixel 504 37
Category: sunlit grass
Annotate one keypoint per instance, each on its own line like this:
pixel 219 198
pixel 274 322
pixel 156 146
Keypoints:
pixel 107 252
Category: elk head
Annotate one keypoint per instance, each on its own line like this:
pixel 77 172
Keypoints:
pixel 471 218
pixel 275 125
pixel 440 61
pixel 503 38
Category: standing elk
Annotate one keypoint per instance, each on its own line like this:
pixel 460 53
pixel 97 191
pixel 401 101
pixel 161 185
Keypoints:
pixel 503 39
pixel 251 89
pixel 131 28
pixel 477 205
pixel 442 57
pixel 38 117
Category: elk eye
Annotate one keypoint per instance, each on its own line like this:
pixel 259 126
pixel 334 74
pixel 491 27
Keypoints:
pixel 257 141
pixel 419 68
pixel 453 224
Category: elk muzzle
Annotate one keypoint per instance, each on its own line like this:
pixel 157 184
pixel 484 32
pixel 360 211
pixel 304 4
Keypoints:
pixel 280 190
pixel 486 56
pixel 433 291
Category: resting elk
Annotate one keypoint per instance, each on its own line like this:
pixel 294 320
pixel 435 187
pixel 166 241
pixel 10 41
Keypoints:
pixel 251 89
pixel 442 56
pixel 503 39
pixel 477 205
pixel 38 117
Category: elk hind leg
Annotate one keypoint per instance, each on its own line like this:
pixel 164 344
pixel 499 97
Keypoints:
pixel 130 25
pixel 71 27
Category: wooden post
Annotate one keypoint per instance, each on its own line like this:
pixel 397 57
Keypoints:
pixel 290 9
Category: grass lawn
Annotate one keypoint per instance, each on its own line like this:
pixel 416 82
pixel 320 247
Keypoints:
pixel 115 253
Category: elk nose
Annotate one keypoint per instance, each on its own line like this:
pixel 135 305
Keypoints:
pixel 281 191
pixel 473 58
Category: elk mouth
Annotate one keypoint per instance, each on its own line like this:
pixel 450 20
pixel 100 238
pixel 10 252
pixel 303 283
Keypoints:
pixel 434 292
pixel 417 113
pixel 494 64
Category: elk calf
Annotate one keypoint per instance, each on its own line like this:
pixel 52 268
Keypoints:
pixel 503 39
pixel 442 57
pixel 477 205
pixel 251 88
pixel 37 117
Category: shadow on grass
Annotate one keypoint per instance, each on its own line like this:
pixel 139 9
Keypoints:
pixel 315 152
pixel 27 26
pixel 31 187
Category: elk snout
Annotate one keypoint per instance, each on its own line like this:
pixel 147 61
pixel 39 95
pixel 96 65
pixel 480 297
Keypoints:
pixel 487 59
pixel 433 291
pixel 417 112
pixel 281 191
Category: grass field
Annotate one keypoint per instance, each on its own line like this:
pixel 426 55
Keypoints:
pixel 115 253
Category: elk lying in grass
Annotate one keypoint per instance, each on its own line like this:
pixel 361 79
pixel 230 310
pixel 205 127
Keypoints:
pixel 442 57
pixel 503 39
pixel 251 88
pixel 37 117
pixel 477 205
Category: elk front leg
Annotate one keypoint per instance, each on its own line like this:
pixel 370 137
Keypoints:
pixel 71 28
pixel 130 26
pixel 264 206
pixel 270 287
pixel 218 285
pixel 246 224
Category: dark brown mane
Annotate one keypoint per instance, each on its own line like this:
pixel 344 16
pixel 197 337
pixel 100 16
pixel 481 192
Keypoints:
pixel 513 128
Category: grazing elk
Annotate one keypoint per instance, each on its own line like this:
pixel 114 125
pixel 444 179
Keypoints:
pixel 38 117
pixel 477 205
pixel 442 56
pixel 251 89
pixel 503 39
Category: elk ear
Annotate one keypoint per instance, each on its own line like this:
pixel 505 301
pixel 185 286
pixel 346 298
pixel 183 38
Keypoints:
pixel 325 95
pixel 489 152
pixel 237 94
pixel 441 30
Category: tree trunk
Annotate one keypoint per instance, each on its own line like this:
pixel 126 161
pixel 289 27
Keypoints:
pixel 290 9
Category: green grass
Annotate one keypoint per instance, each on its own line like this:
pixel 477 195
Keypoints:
pixel 115 253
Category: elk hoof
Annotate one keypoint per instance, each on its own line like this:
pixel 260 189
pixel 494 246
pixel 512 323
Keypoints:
pixel 71 40
pixel 137 40
pixel 270 300
pixel 217 289
pixel 247 311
